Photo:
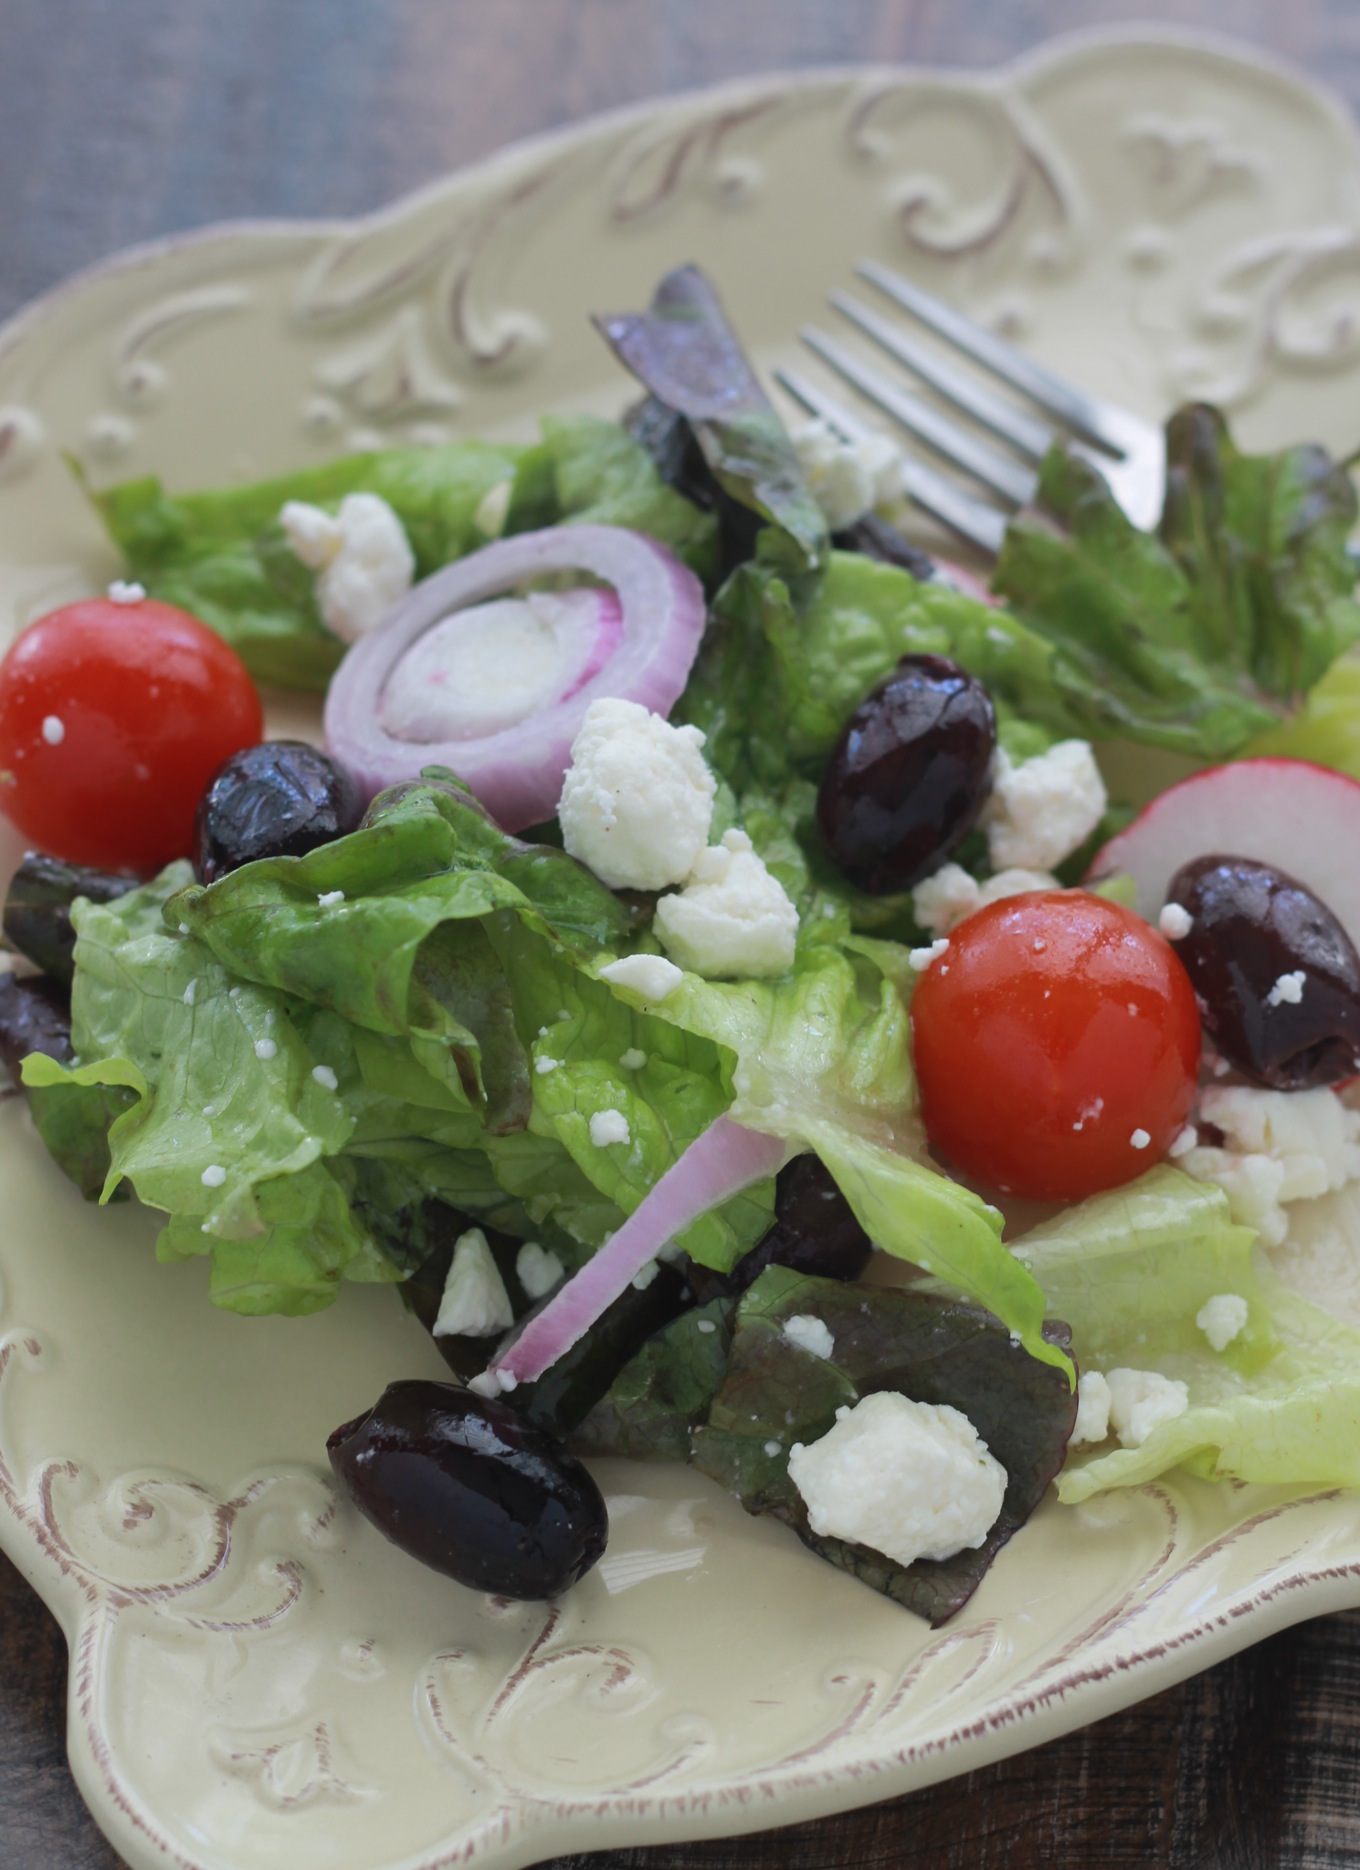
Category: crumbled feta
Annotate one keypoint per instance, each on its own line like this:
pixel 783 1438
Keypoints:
pixel 943 900
pixel 733 920
pixel 706 1326
pixel 609 1126
pixel 1183 1142
pixel 651 975
pixel 543 1064
pixel 1140 1139
pixel 329 899
pixel 810 1333
pixel 190 992
pixel 645 1275
pixel 632 1059
pixel 1288 989
pixel 1043 809
pixel 1222 1318
pixel 362 558
pixel 1175 921
pixel 475 1302
pixel 1279 1146
pixel 848 478
pixel 921 958
pixel 126 591
pixel 53 729
pixel 911 1480
pixel 325 1077
pixel 265 1049
pixel 213 1176
pixel 637 800
pixel 1141 1400
pixel 1093 1409
pixel 772 1448
pixel 538 1269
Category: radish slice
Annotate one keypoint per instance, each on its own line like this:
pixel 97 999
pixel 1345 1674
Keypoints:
pixel 726 1158
pixel 1298 817
pixel 508 735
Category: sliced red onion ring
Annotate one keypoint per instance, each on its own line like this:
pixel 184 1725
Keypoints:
pixel 516 769
pixel 726 1158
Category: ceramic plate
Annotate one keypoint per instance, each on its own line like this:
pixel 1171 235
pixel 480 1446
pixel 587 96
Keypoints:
pixel 256 1678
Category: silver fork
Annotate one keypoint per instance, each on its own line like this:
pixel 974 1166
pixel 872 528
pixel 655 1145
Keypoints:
pixel 1128 451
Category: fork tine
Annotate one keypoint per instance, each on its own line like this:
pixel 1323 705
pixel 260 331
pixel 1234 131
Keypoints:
pixel 999 472
pixel 1084 415
pixel 1030 437
pixel 981 525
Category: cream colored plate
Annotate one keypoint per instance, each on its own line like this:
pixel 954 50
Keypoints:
pixel 256 1678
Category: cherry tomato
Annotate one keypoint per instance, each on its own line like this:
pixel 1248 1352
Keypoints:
pixel 113 717
pixel 1057 1045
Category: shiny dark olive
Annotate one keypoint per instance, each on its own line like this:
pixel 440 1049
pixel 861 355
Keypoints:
pixel 1253 930
pixel 909 776
pixel 814 1232
pixel 281 798
pixel 466 1486
pixel 35 1016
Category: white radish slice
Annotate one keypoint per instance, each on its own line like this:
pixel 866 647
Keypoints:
pixel 1300 818
pixel 514 754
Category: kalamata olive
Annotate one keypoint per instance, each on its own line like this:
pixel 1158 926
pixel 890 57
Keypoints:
pixel 38 908
pixel 466 1486
pixel 1276 976
pixel 909 776
pixel 35 1016
pixel 281 798
pixel 814 1231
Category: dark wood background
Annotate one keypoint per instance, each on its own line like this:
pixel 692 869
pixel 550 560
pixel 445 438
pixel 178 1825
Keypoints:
pixel 121 119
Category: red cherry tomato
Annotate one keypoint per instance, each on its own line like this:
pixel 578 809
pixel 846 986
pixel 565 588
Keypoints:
pixel 113 717
pixel 1056 1034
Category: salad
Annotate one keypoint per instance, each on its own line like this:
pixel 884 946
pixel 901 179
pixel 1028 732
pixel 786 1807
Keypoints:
pixel 710 973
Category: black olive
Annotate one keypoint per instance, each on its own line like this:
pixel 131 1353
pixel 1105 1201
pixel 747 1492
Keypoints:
pixel 814 1231
pixel 1252 928
pixel 909 776
pixel 35 1016
pixel 38 908
pixel 281 798
pixel 466 1486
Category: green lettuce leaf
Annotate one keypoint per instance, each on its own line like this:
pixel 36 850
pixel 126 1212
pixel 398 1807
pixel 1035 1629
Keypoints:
pixel 664 1393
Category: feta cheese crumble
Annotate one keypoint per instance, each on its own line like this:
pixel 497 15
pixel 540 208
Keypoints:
pixel 362 558
pixel 330 899
pixel 325 1077
pixel 1141 1400
pixel 651 975
pixel 637 800
pixel 609 1126
pixel 1222 1318
pixel 1043 809
pixel 733 920
pixel 538 1269
pixel 126 591
pixel 265 1049
pixel 190 992
pixel 848 478
pixel 943 900
pixel 1175 921
pixel 632 1059
pixel 921 958
pixel 810 1333
pixel 53 729
pixel 213 1176
pixel 911 1480
pixel 1140 1139
pixel 1288 989
pixel 475 1302
pixel 1093 1409
pixel 543 1064
pixel 1279 1147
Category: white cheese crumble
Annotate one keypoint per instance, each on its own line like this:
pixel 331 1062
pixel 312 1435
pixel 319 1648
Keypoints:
pixel 265 1049
pixel 325 1077
pixel 191 992
pixel 921 958
pixel 1043 809
pixel 943 900
pixel 848 478
pixel 213 1176
pixel 645 1275
pixel 538 1269
pixel 911 1480
pixel 53 729
pixel 1093 1409
pixel 1175 921
pixel 810 1333
pixel 1183 1142
pixel 1141 1400
pixel 1140 1139
pixel 126 591
pixel 329 899
pixel 733 920
pixel 1279 1146
pixel 475 1302
pixel 543 1065
pixel 651 975
pixel 362 558
pixel 706 1326
pixel 637 800
pixel 609 1126
pixel 1222 1318
pixel 773 1448
pixel 1288 989
pixel 632 1059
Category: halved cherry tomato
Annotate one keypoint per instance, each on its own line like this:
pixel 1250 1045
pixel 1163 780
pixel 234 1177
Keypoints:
pixel 1057 1045
pixel 113 717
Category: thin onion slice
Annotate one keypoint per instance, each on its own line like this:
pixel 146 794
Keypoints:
pixel 517 770
pixel 726 1158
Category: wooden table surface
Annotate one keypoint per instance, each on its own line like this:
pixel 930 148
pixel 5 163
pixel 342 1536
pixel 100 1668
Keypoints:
pixel 126 120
